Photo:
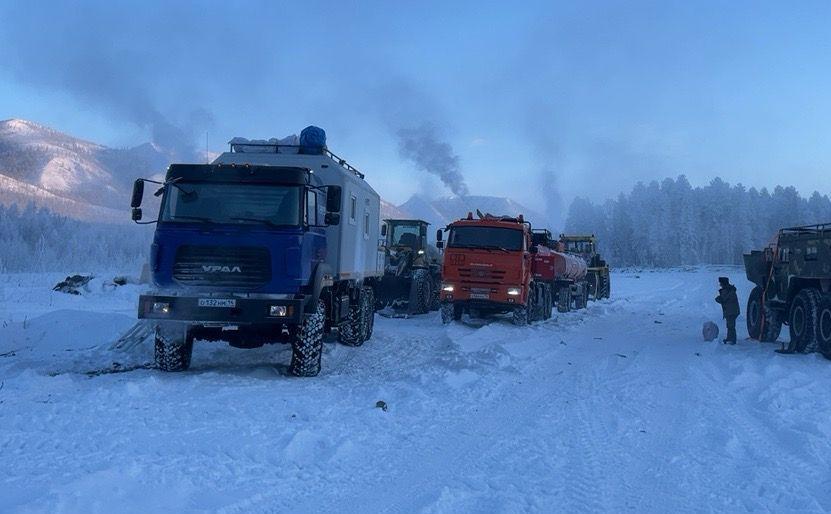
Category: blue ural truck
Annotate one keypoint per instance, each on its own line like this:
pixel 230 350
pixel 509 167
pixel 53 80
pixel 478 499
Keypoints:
pixel 272 242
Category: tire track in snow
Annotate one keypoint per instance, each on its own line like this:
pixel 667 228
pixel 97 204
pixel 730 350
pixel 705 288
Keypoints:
pixel 763 443
pixel 470 439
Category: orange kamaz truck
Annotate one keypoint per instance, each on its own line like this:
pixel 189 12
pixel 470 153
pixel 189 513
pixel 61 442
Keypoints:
pixel 496 265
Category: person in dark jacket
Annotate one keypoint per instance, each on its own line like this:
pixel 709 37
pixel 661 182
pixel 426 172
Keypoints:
pixel 729 301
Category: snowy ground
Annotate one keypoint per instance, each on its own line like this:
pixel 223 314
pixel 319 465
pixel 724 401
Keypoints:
pixel 618 408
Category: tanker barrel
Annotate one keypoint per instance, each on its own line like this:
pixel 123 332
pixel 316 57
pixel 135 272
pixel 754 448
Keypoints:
pixel 569 266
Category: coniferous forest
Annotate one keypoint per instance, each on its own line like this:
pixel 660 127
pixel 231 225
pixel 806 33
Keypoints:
pixel 33 239
pixel 660 224
pixel 672 223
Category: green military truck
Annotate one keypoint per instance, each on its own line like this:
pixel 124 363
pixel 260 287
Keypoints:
pixel 793 287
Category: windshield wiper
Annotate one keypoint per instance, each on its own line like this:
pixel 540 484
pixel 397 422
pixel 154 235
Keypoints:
pixel 196 218
pixel 257 220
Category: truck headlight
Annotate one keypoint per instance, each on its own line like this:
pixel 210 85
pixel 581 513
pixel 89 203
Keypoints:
pixel 514 291
pixel 160 308
pixel 280 311
pixel 447 288
pixel 420 252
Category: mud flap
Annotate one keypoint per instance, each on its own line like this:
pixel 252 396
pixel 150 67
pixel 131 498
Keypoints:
pixel 137 334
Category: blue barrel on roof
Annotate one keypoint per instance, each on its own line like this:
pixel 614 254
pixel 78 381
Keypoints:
pixel 312 140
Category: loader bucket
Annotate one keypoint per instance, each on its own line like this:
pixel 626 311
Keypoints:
pixel 393 290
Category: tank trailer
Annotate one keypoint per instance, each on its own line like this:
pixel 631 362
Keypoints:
pixel 585 246
pixel 563 274
pixel 497 264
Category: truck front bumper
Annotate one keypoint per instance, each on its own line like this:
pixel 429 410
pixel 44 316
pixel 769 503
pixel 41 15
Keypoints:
pixel 221 311
pixel 481 294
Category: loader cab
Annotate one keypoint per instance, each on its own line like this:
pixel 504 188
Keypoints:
pixel 582 245
pixel 542 237
pixel 410 234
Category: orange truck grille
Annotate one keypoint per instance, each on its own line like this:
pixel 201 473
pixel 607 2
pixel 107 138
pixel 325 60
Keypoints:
pixel 481 276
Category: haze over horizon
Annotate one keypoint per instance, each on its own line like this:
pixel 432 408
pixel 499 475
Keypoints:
pixel 579 99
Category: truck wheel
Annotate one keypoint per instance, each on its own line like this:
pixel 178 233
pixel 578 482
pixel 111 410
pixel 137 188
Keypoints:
pixel 173 347
pixel 520 316
pixel 368 304
pixel 765 328
pixel 549 302
pixel 593 285
pixel 353 331
pixel 824 327
pixel 580 300
pixel 420 292
pixel 450 312
pixel 564 299
pixel 524 314
pixel 435 293
pixel 803 320
pixel 307 347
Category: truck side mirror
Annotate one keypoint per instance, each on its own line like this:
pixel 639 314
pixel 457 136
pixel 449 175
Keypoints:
pixel 138 193
pixel 439 235
pixel 439 244
pixel 384 230
pixel 136 214
pixel 332 218
pixel 333 199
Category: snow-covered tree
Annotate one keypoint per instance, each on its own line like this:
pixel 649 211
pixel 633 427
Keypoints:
pixel 671 223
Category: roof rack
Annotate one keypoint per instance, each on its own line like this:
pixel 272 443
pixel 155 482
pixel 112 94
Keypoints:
pixel 276 147
pixel 806 229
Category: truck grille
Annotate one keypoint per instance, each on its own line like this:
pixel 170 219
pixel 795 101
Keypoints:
pixel 222 266
pixel 481 275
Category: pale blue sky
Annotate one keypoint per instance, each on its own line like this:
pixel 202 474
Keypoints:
pixel 597 94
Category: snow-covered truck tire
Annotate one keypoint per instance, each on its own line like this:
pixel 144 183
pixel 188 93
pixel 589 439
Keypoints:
pixel 580 301
pixel 564 299
pixel 173 347
pixel 420 292
pixel 548 302
pixel 524 314
pixel 368 308
pixel 803 320
pixel 307 347
pixel 824 326
pixel 541 303
pixel 450 312
pixel 593 285
pixel 353 331
pixel 607 286
pixel 762 324
pixel 435 293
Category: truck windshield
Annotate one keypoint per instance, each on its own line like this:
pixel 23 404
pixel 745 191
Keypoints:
pixel 485 237
pixel 211 202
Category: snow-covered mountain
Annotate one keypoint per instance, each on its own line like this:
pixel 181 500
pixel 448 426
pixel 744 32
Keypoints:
pixel 441 211
pixel 89 181
pixel 68 175
pixel 392 211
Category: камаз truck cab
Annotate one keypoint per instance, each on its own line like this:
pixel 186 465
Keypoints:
pixel 271 242
pixel 488 269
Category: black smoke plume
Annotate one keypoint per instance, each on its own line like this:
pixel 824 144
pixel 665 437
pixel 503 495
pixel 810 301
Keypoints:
pixel 422 146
